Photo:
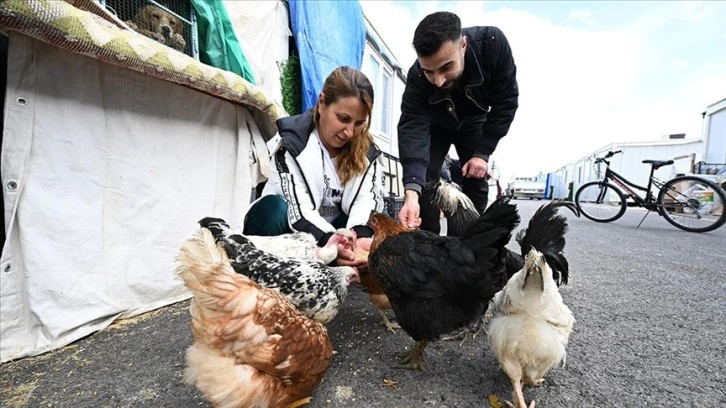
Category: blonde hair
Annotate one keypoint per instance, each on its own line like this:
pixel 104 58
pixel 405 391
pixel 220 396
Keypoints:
pixel 346 82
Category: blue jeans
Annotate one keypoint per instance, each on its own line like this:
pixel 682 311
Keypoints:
pixel 267 217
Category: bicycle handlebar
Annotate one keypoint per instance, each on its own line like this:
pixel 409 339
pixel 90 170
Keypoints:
pixel 611 154
pixel 607 156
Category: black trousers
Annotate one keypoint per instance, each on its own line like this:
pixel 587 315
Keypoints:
pixel 463 140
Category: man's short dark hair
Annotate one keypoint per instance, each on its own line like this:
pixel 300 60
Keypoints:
pixel 434 30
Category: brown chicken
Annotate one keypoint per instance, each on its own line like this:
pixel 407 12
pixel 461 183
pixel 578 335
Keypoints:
pixel 252 347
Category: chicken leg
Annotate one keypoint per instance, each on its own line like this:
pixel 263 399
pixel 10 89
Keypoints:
pixel 300 402
pixel 413 359
pixel 518 394
pixel 391 326
pixel 380 300
pixel 476 328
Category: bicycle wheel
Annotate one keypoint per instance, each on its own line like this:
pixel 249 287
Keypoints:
pixel 600 201
pixel 693 204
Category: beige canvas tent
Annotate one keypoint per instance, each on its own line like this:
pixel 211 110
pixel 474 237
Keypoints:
pixel 114 146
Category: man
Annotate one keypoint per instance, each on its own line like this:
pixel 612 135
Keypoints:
pixel 462 90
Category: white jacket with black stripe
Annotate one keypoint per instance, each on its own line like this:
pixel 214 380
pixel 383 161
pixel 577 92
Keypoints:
pixel 296 174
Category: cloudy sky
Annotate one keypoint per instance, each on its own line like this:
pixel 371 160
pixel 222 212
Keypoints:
pixel 590 73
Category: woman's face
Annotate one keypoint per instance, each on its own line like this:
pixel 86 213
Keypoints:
pixel 340 122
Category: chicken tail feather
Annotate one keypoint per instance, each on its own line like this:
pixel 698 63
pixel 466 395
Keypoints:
pixel 494 227
pixel 205 269
pixel 546 233
pixel 237 247
pixel 216 226
pixel 200 250
pixel 456 206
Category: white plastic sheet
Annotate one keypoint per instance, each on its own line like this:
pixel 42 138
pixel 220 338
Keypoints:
pixel 263 32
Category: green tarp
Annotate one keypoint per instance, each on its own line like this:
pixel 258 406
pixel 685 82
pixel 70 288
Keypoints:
pixel 218 45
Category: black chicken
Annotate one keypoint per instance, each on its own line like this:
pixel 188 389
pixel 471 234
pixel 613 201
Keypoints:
pixel 439 284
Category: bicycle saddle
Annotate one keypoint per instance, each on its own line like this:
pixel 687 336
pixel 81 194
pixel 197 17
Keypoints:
pixel 658 163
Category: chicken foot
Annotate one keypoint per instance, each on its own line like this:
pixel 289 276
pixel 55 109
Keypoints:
pixel 391 326
pixel 534 383
pixel 300 402
pixel 473 330
pixel 413 359
pixel 518 395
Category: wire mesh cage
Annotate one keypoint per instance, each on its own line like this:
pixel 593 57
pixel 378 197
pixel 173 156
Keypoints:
pixel 170 22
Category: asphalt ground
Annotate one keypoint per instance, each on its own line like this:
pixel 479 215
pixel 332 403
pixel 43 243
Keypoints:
pixel 650 309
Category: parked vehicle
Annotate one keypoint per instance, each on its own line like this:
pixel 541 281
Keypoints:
pixel 526 187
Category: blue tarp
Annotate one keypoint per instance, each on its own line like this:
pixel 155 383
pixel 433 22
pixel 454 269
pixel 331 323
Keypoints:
pixel 328 34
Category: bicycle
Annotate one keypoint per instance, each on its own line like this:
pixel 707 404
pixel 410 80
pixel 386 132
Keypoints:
pixel 690 203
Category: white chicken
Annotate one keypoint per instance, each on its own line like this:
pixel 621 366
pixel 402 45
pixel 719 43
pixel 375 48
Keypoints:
pixel 530 326
pixel 297 245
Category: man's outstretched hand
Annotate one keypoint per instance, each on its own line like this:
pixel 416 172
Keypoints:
pixel 410 214
pixel 476 168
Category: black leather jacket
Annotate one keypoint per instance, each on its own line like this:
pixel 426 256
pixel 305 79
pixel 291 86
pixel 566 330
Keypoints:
pixel 489 82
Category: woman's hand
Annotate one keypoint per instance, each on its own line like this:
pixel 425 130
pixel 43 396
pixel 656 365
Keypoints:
pixel 357 256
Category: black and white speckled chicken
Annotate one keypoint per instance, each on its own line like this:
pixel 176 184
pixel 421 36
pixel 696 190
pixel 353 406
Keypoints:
pixel 316 289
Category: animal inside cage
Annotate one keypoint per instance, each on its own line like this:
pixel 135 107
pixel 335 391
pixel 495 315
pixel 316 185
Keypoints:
pixel 170 22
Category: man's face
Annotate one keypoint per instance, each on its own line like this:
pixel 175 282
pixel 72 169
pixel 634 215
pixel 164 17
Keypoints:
pixel 444 67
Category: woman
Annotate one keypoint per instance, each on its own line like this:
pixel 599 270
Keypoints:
pixel 324 171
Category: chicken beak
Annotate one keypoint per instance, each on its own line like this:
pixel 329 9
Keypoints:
pixel 533 266
pixel 534 278
pixel 355 277
pixel 372 224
